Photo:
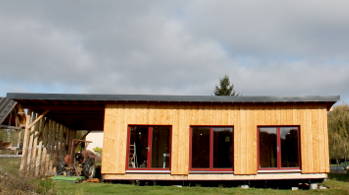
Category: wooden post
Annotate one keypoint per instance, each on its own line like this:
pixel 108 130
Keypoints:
pixel 69 139
pixel 51 148
pixel 61 143
pixel 30 147
pixel 25 142
pixel 38 158
pixel 44 149
pixel 48 147
pixel 37 118
pixel 35 134
pixel 55 148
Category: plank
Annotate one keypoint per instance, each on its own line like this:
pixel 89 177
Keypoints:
pixel 25 142
pixel 38 157
pixel 30 147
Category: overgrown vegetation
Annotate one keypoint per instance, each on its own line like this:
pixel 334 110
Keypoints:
pixel 11 182
pixel 338 123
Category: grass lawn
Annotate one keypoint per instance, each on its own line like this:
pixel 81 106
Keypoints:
pixel 338 184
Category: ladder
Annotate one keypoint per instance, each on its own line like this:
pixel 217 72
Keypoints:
pixel 133 156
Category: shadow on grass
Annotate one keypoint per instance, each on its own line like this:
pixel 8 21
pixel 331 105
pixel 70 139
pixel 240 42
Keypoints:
pixel 339 176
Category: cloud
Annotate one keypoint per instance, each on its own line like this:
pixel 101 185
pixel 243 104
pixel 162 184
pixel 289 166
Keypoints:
pixel 182 47
pixel 272 28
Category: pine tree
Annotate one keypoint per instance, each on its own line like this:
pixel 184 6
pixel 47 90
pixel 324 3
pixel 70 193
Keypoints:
pixel 225 88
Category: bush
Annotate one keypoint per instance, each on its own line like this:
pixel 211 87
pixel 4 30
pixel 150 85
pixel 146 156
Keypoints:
pixel 98 150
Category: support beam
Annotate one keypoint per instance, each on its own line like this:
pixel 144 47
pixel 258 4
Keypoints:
pixel 10 127
pixel 37 119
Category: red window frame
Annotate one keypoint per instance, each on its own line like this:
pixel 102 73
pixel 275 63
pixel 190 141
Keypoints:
pixel 211 149
pixel 278 149
pixel 150 142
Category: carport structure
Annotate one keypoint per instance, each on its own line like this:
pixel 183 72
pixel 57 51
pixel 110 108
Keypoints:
pixel 52 121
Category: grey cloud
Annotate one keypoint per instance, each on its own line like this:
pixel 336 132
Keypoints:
pixel 182 47
pixel 268 28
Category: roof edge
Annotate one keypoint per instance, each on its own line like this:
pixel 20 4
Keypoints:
pixel 169 98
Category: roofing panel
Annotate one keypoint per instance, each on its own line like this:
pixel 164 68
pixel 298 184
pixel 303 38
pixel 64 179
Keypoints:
pixel 6 106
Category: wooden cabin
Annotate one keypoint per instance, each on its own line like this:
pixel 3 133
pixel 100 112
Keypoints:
pixel 158 137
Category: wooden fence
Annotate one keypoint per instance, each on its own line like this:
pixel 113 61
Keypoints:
pixel 45 144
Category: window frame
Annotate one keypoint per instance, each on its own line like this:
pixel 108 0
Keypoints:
pixel 211 169
pixel 279 149
pixel 150 142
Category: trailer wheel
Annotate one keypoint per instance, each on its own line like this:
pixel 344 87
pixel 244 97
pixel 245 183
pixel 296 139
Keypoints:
pixel 89 169
pixel 60 169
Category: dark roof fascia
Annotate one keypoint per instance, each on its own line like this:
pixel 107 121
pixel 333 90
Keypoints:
pixel 171 98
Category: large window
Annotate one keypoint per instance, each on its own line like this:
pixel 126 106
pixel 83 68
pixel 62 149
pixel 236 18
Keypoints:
pixel 279 147
pixel 212 148
pixel 149 147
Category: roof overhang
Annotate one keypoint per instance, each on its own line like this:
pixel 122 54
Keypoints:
pixel 86 111
pixel 103 98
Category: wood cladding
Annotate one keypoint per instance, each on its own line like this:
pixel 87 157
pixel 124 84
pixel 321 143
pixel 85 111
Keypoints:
pixel 311 118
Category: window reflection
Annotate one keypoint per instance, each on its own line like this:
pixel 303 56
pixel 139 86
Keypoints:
pixel 160 147
pixel 267 145
pixel 279 147
pixel 200 147
pixel 149 147
pixel 222 146
pixel 138 147
pixel 289 147
pixel 212 147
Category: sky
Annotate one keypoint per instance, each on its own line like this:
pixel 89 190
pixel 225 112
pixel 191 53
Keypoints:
pixel 182 47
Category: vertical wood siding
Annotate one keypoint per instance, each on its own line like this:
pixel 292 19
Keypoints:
pixel 312 120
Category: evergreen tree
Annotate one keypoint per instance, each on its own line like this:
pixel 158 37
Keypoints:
pixel 225 88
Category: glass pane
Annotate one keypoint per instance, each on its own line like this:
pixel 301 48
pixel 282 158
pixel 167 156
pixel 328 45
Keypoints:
pixel 161 147
pixel 222 147
pixel 289 147
pixel 201 147
pixel 138 149
pixel 267 147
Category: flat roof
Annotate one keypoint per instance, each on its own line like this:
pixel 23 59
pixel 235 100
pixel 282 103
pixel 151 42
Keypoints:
pixel 86 111
pixel 170 98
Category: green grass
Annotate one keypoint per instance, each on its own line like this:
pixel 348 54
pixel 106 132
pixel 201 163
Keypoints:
pixel 337 183
pixel 10 165
pixel 337 187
